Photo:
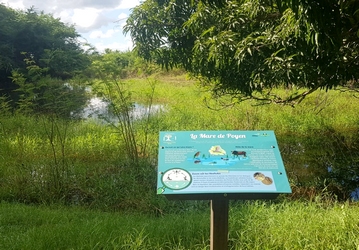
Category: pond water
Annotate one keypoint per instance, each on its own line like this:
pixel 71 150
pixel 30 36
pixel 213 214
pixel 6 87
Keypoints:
pixel 322 157
pixel 97 109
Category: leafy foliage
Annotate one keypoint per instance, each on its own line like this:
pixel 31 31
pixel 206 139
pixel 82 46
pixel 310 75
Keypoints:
pixel 156 28
pixel 110 69
pixel 38 93
pixel 245 48
pixel 50 44
pixel 120 65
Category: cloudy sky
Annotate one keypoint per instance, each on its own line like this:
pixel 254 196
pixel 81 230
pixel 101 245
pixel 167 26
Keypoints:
pixel 98 21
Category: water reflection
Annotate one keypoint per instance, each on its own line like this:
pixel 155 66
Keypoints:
pixel 98 109
pixel 95 109
pixel 323 159
pixel 355 195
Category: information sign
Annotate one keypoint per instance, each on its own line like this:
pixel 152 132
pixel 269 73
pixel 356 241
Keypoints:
pixel 208 164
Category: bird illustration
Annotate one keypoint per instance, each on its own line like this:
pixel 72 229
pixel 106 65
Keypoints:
pixel 196 154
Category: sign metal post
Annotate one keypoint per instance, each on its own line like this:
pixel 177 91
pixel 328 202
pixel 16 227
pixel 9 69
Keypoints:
pixel 219 224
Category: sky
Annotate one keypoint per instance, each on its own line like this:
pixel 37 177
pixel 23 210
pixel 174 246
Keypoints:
pixel 99 22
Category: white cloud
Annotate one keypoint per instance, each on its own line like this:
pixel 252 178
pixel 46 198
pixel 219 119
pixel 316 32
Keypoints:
pixel 15 4
pixel 122 16
pixel 128 4
pixel 60 5
pixel 114 46
pixel 99 34
pixel 65 16
pixel 85 17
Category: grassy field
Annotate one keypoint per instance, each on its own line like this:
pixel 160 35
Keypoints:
pixel 69 184
pixel 256 225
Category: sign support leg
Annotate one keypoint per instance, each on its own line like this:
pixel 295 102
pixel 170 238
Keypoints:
pixel 219 224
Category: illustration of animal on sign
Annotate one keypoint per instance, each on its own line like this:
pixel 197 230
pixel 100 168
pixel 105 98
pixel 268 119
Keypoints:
pixel 196 154
pixel 239 153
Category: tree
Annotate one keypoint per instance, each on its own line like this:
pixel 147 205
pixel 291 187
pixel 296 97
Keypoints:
pixel 157 31
pixel 112 64
pixel 40 94
pixel 248 48
pixel 49 43
pixel 7 33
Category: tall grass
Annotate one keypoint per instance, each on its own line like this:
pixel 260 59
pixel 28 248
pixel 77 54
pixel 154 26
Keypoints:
pixel 80 162
pixel 252 225
pixel 295 226
pixel 188 110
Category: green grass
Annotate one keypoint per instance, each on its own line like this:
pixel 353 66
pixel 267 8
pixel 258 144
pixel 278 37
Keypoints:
pixel 295 225
pixel 187 110
pixel 85 165
pixel 252 225
pixel 31 227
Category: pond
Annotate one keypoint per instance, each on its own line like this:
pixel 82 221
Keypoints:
pixel 324 159
pixel 98 109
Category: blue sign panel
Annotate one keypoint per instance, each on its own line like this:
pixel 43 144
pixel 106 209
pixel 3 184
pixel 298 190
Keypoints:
pixel 214 162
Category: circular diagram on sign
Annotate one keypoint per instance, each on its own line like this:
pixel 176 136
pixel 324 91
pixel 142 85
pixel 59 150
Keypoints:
pixel 176 178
